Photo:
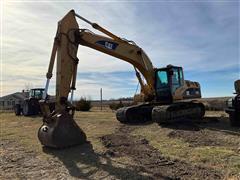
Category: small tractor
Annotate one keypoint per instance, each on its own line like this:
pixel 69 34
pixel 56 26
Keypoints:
pixel 233 106
pixel 30 105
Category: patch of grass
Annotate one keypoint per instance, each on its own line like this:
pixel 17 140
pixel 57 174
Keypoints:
pixel 157 137
pixel 218 157
pixel 24 129
pixel 21 129
pixel 222 158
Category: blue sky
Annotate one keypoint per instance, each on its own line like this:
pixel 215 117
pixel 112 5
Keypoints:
pixel 200 36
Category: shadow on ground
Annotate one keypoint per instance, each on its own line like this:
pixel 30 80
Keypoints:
pixel 83 162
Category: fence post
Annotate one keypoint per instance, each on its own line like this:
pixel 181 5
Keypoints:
pixel 101 98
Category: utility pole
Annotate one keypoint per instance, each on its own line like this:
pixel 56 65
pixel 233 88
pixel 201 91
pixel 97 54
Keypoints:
pixel 101 98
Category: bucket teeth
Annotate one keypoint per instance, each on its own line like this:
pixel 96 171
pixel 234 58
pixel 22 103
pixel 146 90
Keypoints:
pixel 60 131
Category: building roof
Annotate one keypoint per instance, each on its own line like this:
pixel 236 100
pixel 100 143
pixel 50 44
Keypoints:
pixel 17 95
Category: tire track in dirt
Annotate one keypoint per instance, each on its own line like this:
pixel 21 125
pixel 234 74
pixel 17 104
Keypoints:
pixel 149 160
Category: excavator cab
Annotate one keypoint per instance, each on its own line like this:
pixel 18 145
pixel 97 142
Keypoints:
pixel 171 86
pixel 168 80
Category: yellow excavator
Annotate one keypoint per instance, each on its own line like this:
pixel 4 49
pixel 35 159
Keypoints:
pixel 166 97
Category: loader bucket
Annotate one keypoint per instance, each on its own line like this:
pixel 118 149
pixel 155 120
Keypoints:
pixel 60 131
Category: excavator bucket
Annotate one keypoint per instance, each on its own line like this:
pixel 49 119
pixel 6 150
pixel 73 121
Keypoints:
pixel 60 131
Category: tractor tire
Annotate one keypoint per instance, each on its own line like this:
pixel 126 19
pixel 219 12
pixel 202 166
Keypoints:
pixel 35 107
pixel 17 109
pixel 26 108
pixel 31 107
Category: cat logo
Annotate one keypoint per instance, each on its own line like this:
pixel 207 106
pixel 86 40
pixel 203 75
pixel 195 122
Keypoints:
pixel 108 44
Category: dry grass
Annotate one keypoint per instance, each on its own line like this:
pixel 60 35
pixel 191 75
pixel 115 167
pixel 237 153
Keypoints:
pixel 95 123
pixel 223 156
pixel 23 131
pixel 20 137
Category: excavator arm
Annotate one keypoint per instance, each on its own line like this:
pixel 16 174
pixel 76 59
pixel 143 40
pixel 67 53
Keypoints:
pixel 66 42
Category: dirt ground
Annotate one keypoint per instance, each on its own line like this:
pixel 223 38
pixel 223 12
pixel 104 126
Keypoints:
pixel 206 150
pixel 150 160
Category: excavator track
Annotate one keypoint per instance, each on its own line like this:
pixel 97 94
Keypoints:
pixel 135 114
pixel 181 111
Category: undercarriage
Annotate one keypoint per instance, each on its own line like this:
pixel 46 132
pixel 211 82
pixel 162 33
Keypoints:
pixel 179 111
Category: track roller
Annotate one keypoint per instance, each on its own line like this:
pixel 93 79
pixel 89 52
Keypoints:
pixel 135 114
pixel 182 111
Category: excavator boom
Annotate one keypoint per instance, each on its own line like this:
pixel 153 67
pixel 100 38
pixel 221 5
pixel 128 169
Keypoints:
pixel 66 42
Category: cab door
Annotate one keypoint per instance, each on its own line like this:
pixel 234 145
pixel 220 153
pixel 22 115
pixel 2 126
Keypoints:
pixel 162 85
pixel 176 78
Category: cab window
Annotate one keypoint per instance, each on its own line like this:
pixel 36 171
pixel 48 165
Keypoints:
pixel 177 78
pixel 162 79
pixel 31 93
pixel 38 93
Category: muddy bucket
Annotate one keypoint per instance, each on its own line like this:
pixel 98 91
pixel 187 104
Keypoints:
pixel 60 131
